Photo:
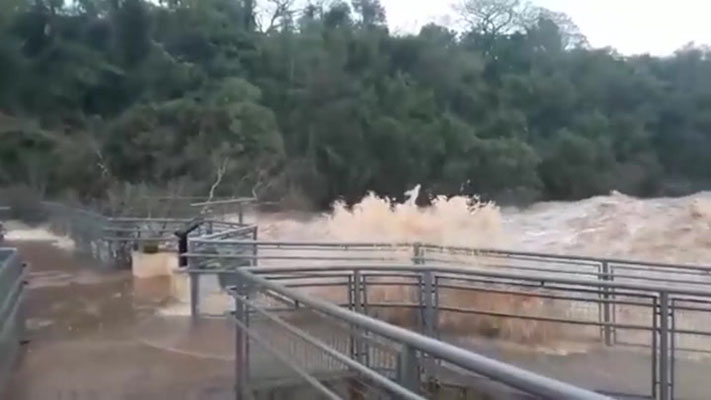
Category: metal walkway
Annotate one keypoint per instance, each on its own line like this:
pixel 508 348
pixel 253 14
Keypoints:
pixel 412 320
pixel 457 295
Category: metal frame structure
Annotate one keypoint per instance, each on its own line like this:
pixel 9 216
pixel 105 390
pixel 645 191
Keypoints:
pixel 12 318
pixel 668 320
pixel 414 355
pixel 112 239
pixel 354 346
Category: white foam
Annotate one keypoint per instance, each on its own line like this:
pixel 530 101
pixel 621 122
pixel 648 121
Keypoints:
pixel 17 231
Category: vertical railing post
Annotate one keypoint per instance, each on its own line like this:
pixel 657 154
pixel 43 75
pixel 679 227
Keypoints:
pixel 655 345
pixel 240 209
pixel 358 306
pixel 672 352
pixel 428 318
pixel 408 370
pixel 427 297
pixel 241 362
pixel 194 275
pixel 607 306
pixel 664 350
pixel 351 306
pixel 417 254
pixel 420 314
pixel 186 246
pixel 435 320
pixel 364 298
pixel 255 247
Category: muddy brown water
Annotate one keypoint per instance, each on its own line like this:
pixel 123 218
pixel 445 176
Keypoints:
pixel 94 334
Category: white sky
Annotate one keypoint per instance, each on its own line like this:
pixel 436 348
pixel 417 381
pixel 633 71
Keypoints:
pixel 631 26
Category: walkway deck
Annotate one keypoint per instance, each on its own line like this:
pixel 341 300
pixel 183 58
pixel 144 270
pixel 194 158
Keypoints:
pixel 86 339
pixel 93 336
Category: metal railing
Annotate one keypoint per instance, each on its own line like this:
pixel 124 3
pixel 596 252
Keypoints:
pixel 12 318
pixel 112 239
pixel 659 313
pixel 593 268
pixel 580 299
pixel 431 291
pixel 340 353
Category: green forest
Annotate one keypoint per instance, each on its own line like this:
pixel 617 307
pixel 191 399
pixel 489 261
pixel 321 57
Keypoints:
pixel 311 102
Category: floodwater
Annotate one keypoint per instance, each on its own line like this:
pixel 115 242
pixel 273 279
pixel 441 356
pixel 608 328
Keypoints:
pixel 94 334
pixel 676 230
pixel 98 333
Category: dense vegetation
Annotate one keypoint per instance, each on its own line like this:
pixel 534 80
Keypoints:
pixel 321 101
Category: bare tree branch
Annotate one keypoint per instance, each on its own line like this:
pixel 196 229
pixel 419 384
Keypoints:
pixel 492 17
pixel 221 169
pixel 281 10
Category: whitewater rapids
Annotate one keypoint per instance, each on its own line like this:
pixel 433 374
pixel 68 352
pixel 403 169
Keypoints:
pixel 676 230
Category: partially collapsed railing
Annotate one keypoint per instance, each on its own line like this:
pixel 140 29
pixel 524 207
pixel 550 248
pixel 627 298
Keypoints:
pixel 12 319
pixel 112 239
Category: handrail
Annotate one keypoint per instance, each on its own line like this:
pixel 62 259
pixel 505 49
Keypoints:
pixel 495 370
pixel 374 376
pixel 502 252
pixel 238 200
pixel 12 281
pixel 466 271
pixel 243 229
pixel 477 251
pixel 291 243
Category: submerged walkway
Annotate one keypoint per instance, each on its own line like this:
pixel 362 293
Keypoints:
pixel 91 338
pixel 95 334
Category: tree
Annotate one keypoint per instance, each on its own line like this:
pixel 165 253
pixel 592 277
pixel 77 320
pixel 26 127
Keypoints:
pixel 494 17
pixel 132 24
pixel 371 12
pixel 323 103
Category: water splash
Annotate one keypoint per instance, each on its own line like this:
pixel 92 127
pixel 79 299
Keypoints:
pixel 455 221
pixel 17 231
pixel 676 230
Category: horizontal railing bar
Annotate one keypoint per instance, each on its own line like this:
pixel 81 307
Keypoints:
pixel 294 367
pixel 519 293
pixel 500 266
pixel 157 220
pixel 657 270
pixel 536 284
pixel 460 310
pixel 239 200
pixel 245 229
pixel 491 274
pixel 602 275
pixel 141 239
pixel 297 275
pixel 476 254
pixel 315 258
pixel 385 382
pixel 139 229
pixel 528 268
pixel 581 258
pixel 297 244
pixel 320 285
pixel 507 374
pixel 590 300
